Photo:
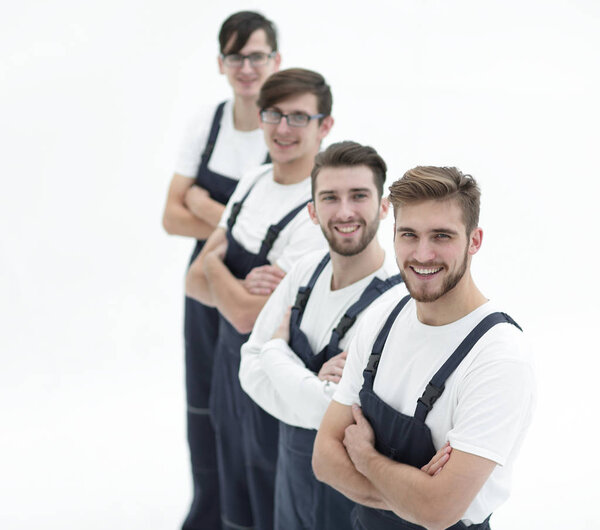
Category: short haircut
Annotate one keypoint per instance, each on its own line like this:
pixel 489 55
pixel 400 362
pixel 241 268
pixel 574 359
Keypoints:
pixel 294 82
pixel 242 25
pixel 424 183
pixel 350 154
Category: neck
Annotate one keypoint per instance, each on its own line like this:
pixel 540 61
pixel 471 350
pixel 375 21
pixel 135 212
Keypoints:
pixel 294 171
pixel 245 114
pixel 453 306
pixel 347 270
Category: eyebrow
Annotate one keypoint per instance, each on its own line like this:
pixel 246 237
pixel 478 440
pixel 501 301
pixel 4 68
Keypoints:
pixel 434 231
pixel 352 190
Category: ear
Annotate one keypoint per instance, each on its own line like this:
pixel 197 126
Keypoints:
pixel 384 208
pixel 276 62
pixel 325 127
pixel 475 241
pixel 221 65
pixel 312 212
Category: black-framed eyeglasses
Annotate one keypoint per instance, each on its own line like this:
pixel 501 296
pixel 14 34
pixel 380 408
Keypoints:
pixel 295 119
pixel 235 60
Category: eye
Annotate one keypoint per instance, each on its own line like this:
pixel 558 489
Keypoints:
pixel 328 198
pixel 360 196
pixel 407 235
pixel 298 118
pixel 442 236
pixel 257 57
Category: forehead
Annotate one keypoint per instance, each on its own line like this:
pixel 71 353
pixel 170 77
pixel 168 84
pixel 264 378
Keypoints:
pixel 431 215
pixel 341 179
pixel 305 102
pixel 257 42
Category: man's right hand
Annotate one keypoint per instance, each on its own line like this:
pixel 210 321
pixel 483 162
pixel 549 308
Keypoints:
pixel 438 461
pixel 332 369
pixel 263 280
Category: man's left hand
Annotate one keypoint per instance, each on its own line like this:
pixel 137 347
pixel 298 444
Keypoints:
pixel 359 439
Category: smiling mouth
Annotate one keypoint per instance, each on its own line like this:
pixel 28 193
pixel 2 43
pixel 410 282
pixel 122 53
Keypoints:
pixel 426 271
pixel 347 229
pixel 281 143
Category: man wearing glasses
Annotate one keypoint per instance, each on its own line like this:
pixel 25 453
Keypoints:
pixel 264 230
pixel 220 146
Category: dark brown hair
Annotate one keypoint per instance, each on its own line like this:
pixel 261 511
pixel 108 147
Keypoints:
pixel 293 82
pixel 350 154
pixel 242 25
pixel 424 183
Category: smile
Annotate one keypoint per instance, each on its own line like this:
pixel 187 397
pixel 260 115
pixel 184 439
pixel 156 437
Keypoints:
pixel 422 271
pixel 281 143
pixel 347 229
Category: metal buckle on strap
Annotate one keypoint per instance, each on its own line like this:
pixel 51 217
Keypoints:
pixel 271 236
pixel 301 299
pixel 430 396
pixel 344 325
pixel 373 362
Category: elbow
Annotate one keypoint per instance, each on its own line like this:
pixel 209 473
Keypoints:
pixel 438 514
pixel 168 224
pixel 243 322
pixel 319 462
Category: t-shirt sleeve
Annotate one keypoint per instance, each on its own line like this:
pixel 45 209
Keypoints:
pixel 193 142
pixel 495 401
pixel 304 237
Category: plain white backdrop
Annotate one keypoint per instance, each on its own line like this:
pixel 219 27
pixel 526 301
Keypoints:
pixel 94 98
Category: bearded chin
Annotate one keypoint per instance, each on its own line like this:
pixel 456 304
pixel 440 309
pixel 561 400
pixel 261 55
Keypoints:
pixel 449 283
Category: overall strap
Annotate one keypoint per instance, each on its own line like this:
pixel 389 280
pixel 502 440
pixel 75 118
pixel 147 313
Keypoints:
pixel 274 230
pixel 373 291
pixel 304 292
pixel 436 386
pixel 268 158
pixel 237 206
pixel 383 335
pixel 212 136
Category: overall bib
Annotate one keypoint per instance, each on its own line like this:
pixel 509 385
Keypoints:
pixel 246 435
pixel 200 334
pixel 301 501
pixel 405 438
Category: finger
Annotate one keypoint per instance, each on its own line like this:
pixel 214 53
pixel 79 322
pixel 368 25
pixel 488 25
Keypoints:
pixel 357 413
pixel 437 466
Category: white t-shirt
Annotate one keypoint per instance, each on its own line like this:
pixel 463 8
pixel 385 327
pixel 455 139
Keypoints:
pixel 488 401
pixel 267 204
pixel 235 152
pixel 271 373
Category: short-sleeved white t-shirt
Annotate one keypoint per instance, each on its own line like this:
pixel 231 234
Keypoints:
pixel 235 152
pixel 266 205
pixel 271 372
pixel 487 403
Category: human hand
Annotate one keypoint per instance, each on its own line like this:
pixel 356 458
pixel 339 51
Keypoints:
pixel 263 280
pixel 359 439
pixel 283 331
pixel 438 461
pixel 332 369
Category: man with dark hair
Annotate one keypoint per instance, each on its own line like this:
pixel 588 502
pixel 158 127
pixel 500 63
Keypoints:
pixel 293 360
pixel 264 230
pixel 221 145
pixel 441 367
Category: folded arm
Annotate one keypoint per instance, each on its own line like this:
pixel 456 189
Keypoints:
pixel 432 501
pixel 178 218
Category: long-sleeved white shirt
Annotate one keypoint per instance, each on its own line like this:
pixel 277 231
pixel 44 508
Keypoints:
pixel 271 373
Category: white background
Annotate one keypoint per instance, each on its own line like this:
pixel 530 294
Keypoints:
pixel 94 97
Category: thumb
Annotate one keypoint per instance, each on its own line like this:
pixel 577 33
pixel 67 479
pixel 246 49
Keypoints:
pixel 357 413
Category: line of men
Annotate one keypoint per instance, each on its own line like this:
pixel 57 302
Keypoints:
pixel 288 288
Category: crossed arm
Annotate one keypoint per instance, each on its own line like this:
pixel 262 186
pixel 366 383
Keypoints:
pixel 209 281
pixel 345 458
pixel 189 210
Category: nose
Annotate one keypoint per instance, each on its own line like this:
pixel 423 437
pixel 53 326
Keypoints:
pixel 246 66
pixel 282 126
pixel 424 251
pixel 345 210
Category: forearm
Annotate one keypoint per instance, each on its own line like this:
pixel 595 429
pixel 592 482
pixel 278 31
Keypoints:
pixel 295 384
pixel 230 297
pixel 178 220
pixel 332 465
pixel 208 210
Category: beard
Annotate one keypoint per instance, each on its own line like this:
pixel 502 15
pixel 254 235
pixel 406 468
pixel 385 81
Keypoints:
pixel 346 247
pixel 449 283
